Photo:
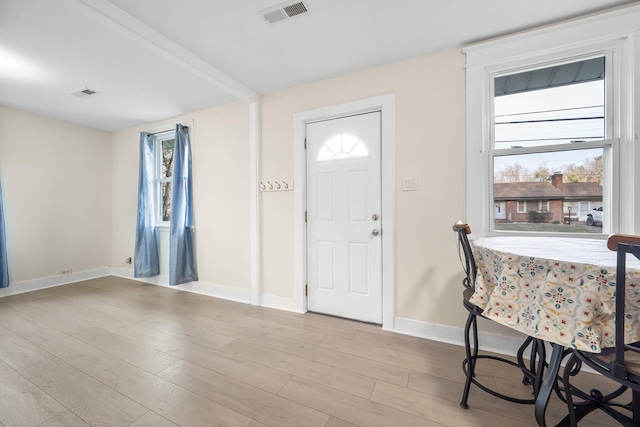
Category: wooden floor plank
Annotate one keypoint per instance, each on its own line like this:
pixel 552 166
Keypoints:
pixel 187 330
pixel 348 407
pixel 450 369
pixel 371 368
pixel 437 409
pixel 22 403
pixel 337 422
pixel 258 375
pixel 151 419
pixel 87 398
pixel 169 400
pixel 67 322
pixel 17 322
pixel 302 322
pixel 17 352
pixel 253 402
pixel 123 348
pixel 78 354
pixel 65 419
pixel 266 327
pixel 219 327
pixel 339 379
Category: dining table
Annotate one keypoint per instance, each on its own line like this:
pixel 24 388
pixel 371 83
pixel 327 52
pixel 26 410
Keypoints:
pixel 560 290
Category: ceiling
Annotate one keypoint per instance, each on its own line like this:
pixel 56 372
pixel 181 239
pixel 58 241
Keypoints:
pixel 153 59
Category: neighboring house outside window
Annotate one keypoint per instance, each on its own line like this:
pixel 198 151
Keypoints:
pixel 559 198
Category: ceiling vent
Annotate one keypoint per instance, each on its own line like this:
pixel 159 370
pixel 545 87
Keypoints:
pixel 283 11
pixel 85 92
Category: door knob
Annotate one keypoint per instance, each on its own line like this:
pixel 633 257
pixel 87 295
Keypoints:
pixel 375 232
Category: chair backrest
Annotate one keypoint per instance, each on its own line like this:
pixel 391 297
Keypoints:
pixel 624 244
pixel 464 249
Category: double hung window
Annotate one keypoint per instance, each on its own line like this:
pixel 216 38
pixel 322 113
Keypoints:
pixel 164 143
pixel 551 142
pixel 551 132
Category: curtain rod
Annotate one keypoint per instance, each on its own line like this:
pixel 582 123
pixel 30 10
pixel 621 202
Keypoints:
pixel 163 129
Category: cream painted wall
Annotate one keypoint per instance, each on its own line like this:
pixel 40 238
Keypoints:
pixel 430 145
pixel 220 153
pixel 56 182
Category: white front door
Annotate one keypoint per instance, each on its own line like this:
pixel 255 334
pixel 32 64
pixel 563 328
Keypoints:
pixel 344 234
pixel 499 211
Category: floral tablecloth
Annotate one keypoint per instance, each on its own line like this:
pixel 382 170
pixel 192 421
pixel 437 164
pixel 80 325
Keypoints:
pixel 560 290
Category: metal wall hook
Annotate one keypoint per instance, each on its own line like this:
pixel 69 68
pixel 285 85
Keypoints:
pixel 276 186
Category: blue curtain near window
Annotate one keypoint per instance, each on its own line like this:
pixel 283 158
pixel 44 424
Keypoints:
pixel 4 264
pixel 146 261
pixel 182 256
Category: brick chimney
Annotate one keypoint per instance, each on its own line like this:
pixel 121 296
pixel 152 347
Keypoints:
pixel 556 180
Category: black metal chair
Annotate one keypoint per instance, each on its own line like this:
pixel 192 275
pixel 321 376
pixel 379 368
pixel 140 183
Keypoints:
pixel 531 376
pixel 620 363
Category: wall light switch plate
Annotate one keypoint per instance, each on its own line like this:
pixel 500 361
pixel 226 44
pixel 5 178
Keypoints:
pixel 409 183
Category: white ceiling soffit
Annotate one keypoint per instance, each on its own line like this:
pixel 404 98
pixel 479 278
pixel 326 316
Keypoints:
pixel 284 11
pixel 163 46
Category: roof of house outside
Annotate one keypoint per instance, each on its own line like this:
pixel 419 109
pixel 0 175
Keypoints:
pixel 545 191
pixel 582 190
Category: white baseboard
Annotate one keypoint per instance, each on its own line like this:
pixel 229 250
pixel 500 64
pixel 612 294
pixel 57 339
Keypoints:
pixel 497 343
pixel 280 303
pixel 203 288
pixel 49 282
pixel 213 290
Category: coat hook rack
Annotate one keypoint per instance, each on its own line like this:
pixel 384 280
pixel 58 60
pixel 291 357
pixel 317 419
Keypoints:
pixel 276 186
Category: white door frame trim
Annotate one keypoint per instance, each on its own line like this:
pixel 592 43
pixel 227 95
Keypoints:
pixel 386 105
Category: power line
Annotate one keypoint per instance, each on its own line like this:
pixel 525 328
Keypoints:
pixel 552 111
pixel 567 119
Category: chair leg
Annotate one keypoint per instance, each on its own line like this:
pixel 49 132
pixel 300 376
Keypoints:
pixel 468 364
pixel 635 406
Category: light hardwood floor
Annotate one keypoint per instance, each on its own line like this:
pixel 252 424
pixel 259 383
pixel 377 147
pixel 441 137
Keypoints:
pixel 116 352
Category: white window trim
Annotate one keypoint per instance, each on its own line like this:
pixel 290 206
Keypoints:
pixel 542 203
pixel 524 204
pixel 613 31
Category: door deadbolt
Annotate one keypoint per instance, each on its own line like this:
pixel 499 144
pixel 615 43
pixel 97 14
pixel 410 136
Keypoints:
pixel 375 217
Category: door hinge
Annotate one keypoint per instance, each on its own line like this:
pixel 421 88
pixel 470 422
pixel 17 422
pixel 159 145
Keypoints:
pixel 305 217
pixel 306 290
pixel 305 143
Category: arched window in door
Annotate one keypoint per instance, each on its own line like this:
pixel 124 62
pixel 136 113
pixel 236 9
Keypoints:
pixel 342 146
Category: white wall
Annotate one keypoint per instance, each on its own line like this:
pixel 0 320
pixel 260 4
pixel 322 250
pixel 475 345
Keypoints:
pixel 56 182
pixel 220 152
